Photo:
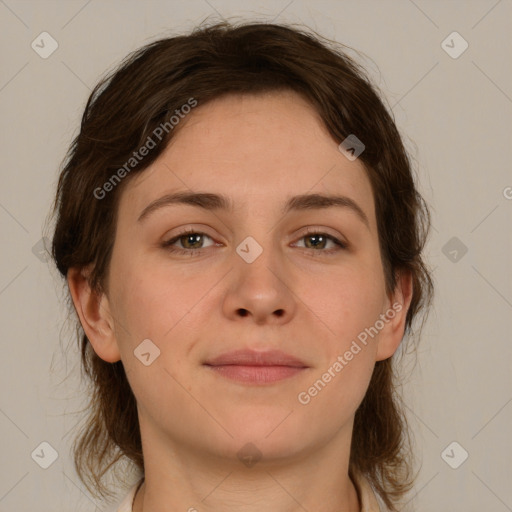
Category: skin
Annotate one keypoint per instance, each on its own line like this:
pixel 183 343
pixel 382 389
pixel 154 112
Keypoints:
pixel 258 150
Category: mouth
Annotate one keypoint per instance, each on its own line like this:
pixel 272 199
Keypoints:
pixel 251 367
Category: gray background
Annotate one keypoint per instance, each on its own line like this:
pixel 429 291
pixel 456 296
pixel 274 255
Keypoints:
pixel 455 114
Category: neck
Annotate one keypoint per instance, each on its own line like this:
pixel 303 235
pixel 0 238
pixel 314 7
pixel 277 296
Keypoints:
pixel 349 503
pixel 318 480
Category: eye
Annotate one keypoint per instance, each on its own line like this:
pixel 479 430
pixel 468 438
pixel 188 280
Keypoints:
pixel 190 241
pixel 318 241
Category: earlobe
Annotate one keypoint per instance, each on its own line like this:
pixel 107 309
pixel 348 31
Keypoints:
pixel 93 310
pixel 399 302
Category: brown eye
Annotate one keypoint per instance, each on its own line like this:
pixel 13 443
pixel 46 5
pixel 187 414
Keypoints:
pixel 191 242
pixel 317 241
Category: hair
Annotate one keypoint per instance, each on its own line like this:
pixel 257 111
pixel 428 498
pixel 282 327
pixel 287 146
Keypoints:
pixel 134 100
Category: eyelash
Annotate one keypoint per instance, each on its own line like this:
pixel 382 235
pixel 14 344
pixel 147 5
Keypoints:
pixel 197 252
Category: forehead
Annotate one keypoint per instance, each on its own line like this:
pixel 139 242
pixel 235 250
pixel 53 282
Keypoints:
pixel 257 149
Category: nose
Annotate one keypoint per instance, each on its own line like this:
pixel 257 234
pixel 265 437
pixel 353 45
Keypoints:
pixel 260 291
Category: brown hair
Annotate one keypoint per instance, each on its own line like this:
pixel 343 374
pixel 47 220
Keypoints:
pixel 126 107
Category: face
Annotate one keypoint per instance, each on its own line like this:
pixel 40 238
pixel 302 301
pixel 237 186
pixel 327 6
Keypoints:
pixel 266 272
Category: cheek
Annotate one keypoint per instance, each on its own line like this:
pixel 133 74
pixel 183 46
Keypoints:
pixel 150 304
pixel 349 303
pixel 344 301
pixel 333 395
pixel 151 299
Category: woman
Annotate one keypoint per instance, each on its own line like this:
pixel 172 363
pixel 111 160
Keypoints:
pixel 242 239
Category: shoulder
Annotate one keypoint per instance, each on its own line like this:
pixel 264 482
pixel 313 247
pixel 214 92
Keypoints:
pixel 370 500
pixel 126 504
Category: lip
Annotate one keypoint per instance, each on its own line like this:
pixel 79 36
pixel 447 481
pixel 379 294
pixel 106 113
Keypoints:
pixel 246 357
pixel 252 367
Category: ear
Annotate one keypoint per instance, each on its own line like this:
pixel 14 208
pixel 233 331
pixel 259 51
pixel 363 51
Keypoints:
pixel 396 312
pixel 93 309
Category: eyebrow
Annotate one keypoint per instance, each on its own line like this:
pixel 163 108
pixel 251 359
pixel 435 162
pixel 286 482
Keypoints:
pixel 210 201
